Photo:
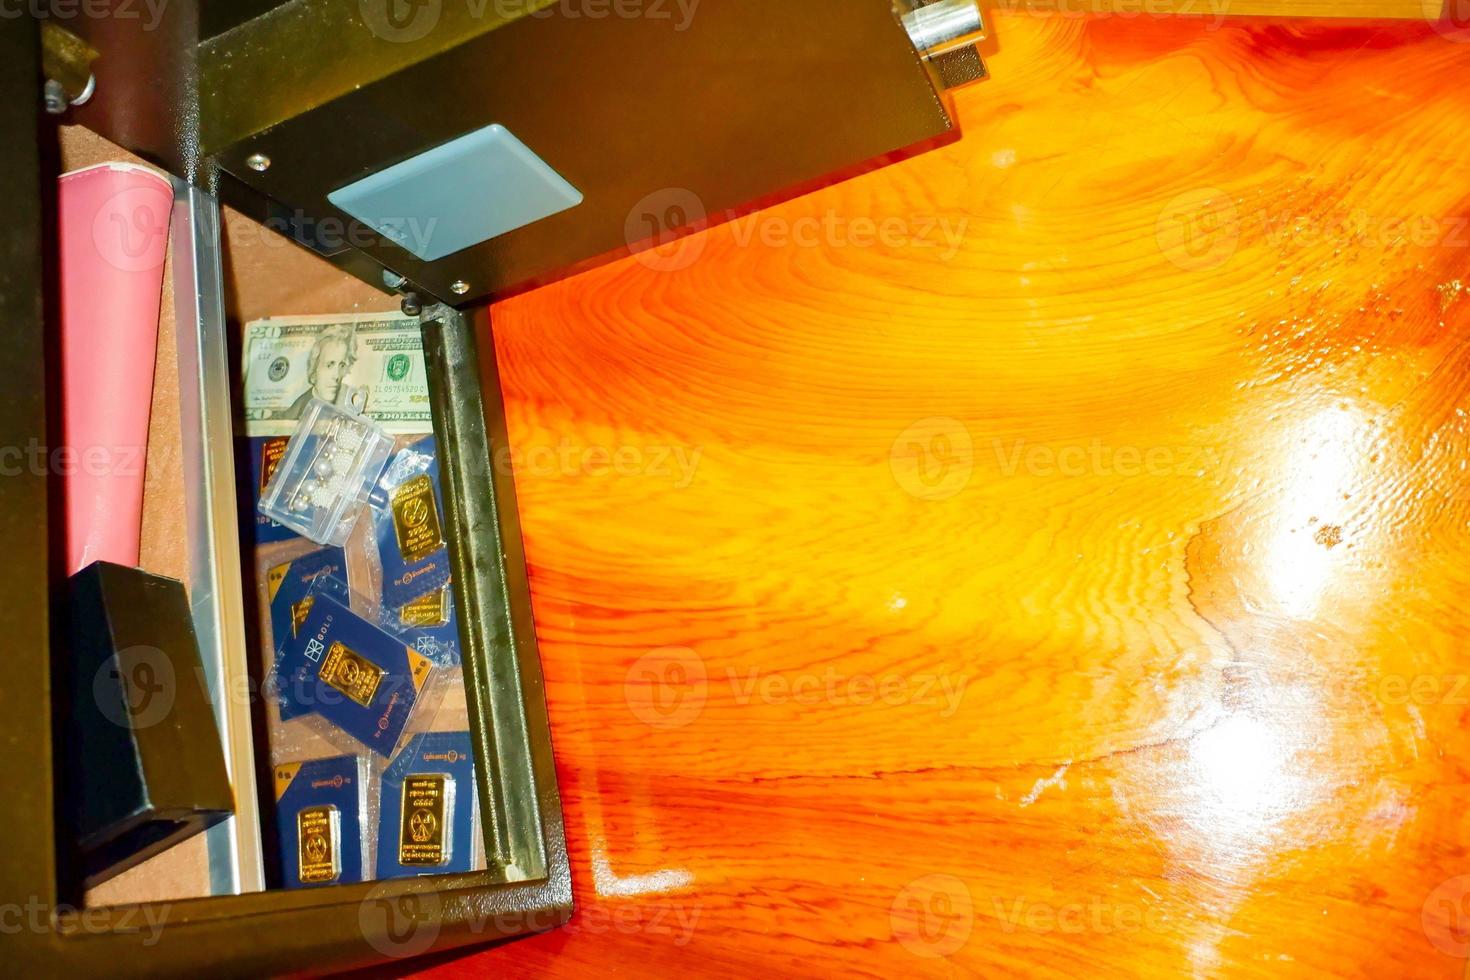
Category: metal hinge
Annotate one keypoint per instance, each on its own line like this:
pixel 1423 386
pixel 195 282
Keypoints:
pixel 67 62
pixel 946 32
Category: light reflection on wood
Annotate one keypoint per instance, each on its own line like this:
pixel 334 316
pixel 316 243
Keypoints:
pixel 1076 595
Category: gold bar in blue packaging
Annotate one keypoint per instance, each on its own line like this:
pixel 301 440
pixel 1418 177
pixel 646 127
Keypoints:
pixel 424 831
pixel 319 845
pixel 416 519
pixel 430 611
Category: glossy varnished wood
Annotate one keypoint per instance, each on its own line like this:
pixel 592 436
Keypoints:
pixel 1043 557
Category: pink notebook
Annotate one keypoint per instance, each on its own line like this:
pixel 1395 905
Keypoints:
pixel 113 233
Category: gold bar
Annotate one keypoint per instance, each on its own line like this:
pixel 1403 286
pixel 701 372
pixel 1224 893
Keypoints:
pixel 318 831
pixel 424 838
pixel 271 454
pixel 351 673
pixel 431 610
pixel 416 519
pixel 299 612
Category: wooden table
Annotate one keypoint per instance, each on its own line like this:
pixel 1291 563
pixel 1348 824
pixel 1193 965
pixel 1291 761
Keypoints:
pixel 1044 557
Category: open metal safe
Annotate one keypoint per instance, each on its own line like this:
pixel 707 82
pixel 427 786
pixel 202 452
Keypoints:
pixel 303 140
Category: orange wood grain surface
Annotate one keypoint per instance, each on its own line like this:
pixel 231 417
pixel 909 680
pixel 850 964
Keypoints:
pixel 1043 557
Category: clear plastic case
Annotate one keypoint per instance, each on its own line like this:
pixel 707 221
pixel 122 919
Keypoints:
pixel 327 473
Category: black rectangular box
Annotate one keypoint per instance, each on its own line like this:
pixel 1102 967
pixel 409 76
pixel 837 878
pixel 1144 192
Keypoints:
pixel 145 767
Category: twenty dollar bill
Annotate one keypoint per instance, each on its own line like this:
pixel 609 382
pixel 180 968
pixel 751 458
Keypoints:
pixel 290 360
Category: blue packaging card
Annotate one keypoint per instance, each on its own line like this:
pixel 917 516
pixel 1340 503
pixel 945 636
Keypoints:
pixel 288 585
pixel 266 453
pixel 411 568
pixel 319 807
pixel 418 837
pixel 343 668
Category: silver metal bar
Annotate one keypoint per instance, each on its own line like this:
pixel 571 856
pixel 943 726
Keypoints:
pixel 944 25
pixel 215 589
pixel 497 629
